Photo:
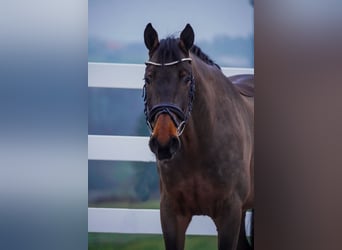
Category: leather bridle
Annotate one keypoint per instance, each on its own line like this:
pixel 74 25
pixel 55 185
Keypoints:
pixel 178 116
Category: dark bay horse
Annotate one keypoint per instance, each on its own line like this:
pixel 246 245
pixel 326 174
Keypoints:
pixel 202 135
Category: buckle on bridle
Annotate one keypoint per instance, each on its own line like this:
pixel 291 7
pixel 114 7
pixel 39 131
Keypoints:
pixel 180 128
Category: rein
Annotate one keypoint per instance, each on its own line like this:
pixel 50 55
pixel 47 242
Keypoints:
pixel 168 108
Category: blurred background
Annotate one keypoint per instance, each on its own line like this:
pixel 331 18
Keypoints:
pixel 223 30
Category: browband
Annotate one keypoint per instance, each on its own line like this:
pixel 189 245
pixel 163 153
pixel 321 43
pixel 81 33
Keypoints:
pixel 170 63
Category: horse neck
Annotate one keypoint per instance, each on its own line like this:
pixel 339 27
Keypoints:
pixel 215 96
pixel 205 74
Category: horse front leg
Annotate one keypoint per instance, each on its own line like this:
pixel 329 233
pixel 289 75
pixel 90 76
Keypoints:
pixel 174 226
pixel 228 226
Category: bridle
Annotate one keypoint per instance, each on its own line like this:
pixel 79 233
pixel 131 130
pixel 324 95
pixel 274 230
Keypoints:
pixel 170 63
pixel 178 116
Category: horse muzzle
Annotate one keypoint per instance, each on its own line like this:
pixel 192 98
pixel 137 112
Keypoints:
pixel 164 141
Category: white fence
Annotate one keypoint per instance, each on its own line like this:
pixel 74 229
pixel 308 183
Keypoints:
pixel 147 221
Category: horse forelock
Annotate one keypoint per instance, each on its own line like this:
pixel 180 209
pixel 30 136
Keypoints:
pixel 168 50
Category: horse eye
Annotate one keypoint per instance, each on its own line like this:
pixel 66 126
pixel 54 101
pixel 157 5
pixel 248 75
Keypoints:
pixel 187 79
pixel 147 80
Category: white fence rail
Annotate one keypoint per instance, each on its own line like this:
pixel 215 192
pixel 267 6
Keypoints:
pixel 115 75
pixel 105 147
pixel 147 221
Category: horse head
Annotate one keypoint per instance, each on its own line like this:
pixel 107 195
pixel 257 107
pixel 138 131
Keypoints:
pixel 169 89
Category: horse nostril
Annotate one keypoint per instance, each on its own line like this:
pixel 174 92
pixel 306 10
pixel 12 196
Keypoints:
pixel 165 151
pixel 153 144
pixel 174 144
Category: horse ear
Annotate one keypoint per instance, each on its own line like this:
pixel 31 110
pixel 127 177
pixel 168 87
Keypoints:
pixel 150 37
pixel 187 37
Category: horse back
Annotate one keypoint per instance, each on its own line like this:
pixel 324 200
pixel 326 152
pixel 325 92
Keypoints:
pixel 244 84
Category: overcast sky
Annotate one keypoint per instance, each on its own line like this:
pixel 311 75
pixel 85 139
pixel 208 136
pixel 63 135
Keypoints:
pixel 125 20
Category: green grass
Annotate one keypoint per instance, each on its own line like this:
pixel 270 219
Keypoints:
pixel 105 241
pixel 116 241
pixel 126 204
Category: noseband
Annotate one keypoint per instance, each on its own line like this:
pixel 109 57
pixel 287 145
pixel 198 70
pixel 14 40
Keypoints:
pixel 178 116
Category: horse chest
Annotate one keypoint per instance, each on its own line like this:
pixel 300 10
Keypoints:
pixel 195 195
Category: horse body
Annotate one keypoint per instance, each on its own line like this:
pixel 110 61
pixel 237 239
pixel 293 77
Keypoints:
pixel 211 171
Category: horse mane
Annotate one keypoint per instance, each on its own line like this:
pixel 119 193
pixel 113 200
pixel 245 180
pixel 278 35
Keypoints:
pixel 204 57
pixel 169 50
